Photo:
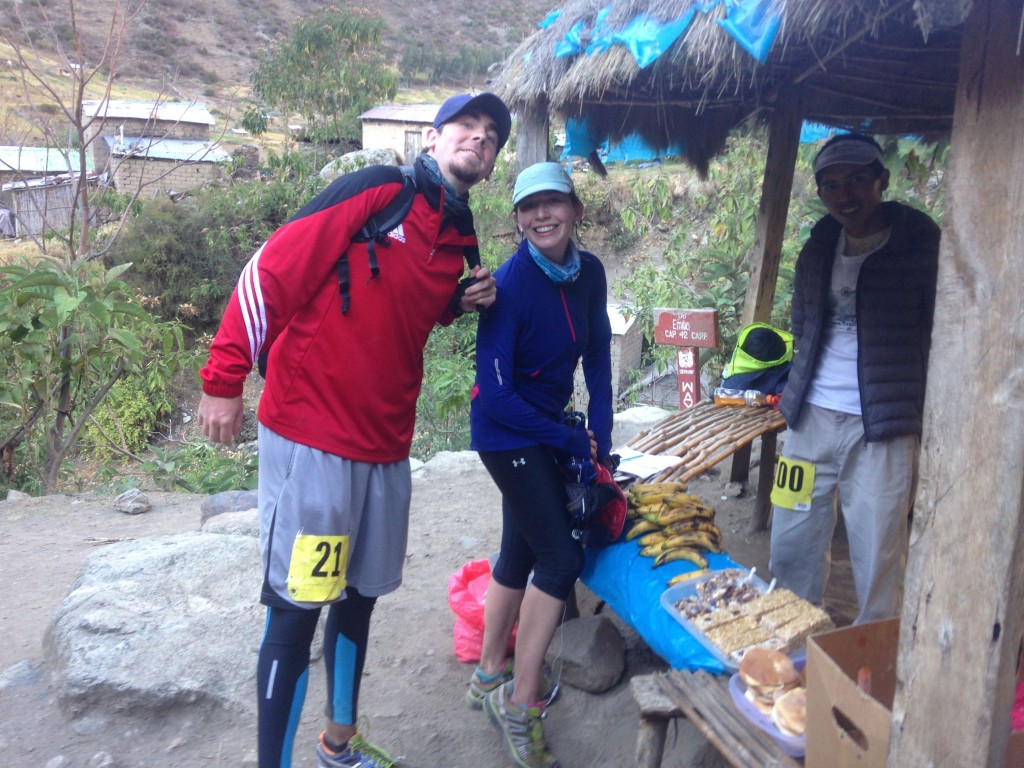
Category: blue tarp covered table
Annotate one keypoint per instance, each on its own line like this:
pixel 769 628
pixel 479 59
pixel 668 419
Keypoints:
pixel 632 587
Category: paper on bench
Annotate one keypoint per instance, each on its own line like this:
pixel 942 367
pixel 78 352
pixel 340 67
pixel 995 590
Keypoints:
pixel 643 465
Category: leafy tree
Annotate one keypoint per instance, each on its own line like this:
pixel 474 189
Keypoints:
pixel 71 327
pixel 329 71
pixel 67 334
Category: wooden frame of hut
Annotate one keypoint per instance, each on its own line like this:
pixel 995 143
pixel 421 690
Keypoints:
pixel 929 67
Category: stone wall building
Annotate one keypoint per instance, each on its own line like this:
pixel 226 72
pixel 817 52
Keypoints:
pixel 399 127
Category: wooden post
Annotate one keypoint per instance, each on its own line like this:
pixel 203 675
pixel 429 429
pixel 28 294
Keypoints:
pixel 962 615
pixel 688 329
pixel 532 126
pixel 770 229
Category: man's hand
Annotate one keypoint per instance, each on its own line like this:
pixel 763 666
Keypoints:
pixel 220 417
pixel 482 293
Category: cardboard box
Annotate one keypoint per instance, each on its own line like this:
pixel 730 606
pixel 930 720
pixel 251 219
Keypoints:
pixel 846 727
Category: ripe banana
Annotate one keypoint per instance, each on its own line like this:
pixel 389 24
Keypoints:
pixel 681 553
pixel 663 487
pixel 641 527
pixel 676 499
pixel 694 539
pixel 650 539
pixel 683 577
pixel 679 514
pixel 693 524
pixel 652 551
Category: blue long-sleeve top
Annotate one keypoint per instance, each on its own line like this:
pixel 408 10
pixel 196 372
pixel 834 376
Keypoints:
pixel 529 343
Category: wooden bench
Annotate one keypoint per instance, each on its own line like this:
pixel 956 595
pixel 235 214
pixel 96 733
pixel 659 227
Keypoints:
pixel 704 700
pixel 706 434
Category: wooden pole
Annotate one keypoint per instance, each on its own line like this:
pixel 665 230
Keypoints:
pixel 783 141
pixel 962 615
pixel 532 126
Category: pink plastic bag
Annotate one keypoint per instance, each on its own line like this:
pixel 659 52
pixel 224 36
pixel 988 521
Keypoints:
pixel 467 590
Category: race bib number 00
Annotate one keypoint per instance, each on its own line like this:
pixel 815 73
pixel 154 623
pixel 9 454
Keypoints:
pixel 794 483
pixel 317 571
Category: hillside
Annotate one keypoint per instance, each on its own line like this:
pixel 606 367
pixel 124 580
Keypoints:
pixel 206 51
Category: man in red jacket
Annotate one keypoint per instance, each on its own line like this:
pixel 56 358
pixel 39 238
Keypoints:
pixel 338 407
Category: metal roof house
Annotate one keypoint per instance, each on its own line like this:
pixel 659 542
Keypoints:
pixel 161 165
pixel 19 163
pixel 110 119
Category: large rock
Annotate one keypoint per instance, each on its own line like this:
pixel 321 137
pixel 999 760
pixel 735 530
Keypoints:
pixel 160 622
pixel 588 653
pixel 354 161
pixel 635 421
pixel 226 501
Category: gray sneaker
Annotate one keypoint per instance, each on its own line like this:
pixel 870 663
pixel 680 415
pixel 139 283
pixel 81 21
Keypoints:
pixel 480 687
pixel 521 731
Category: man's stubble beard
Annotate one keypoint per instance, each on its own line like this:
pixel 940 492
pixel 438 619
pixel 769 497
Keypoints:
pixel 469 172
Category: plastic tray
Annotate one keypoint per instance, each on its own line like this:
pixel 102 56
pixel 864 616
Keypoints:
pixel 792 745
pixel 672 595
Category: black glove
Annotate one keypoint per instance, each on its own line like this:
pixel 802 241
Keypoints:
pixel 456 303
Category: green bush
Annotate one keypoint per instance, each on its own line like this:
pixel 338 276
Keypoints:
pixel 127 417
pixel 202 468
pixel 187 255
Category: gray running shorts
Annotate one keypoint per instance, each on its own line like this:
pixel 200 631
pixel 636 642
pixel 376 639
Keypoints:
pixel 328 522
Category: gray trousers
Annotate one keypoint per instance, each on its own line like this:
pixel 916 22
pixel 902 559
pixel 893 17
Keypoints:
pixel 874 485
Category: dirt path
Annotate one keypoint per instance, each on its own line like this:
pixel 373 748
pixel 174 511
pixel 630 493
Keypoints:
pixel 414 686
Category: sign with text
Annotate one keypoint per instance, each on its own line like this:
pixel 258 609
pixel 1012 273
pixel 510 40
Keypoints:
pixel 686 327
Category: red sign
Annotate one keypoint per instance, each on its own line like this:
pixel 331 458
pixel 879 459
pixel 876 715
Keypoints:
pixel 686 327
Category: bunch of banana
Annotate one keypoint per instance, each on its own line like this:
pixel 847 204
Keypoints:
pixel 671 524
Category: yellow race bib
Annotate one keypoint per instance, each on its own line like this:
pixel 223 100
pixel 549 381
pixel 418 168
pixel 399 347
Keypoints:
pixel 317 570
pixel 794 484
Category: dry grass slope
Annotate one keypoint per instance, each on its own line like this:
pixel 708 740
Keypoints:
pixel 207 50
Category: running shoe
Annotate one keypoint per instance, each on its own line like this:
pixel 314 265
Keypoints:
pixel 521 730
pixel 359 753
pixel 480 685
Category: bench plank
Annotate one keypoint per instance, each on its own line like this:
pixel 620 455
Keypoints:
pixel 705 701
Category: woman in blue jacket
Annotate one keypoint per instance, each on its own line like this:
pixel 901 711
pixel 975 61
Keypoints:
pixel 551 312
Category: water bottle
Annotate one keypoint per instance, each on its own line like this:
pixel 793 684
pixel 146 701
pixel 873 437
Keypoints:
pixel 755 397
pixel 724 396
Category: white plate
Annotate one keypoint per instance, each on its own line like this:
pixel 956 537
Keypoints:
pixel 793 745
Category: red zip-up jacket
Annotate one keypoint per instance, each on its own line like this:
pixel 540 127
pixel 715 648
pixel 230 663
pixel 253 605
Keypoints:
pixel 345 384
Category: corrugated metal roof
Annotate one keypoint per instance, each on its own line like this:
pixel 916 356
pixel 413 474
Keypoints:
pixel 403 113
pixel 167 149
pixel 46 181
pixel 172 111
pixel 38 160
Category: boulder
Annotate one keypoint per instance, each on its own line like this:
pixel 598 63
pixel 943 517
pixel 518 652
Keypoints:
pixel 354 161
pixel 126 636
pixel 587 653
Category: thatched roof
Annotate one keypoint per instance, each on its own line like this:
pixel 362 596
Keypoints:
pixel 888 66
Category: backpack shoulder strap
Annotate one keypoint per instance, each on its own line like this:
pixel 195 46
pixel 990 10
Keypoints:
pixel 376 229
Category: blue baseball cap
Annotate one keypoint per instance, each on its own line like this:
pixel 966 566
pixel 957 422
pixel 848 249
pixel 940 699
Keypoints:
pixel 487 103
pixel 542 177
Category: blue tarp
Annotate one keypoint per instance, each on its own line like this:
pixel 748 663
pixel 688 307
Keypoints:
pixel 749 22
pixel 631 586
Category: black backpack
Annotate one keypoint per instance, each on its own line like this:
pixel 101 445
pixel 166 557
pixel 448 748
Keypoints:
pixel 374 231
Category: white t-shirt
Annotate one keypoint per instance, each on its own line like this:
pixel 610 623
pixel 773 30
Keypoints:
pixel 835 383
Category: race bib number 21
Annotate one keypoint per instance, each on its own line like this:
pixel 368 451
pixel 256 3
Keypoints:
pixel 317 570
pixel 794 484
